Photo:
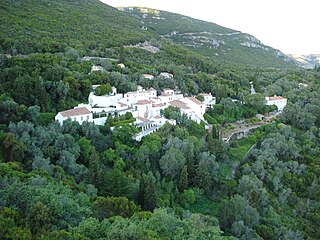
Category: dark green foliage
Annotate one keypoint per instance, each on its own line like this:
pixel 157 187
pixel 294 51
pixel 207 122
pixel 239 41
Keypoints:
pixel 13 149
pixel 115 183
pixel 35 29
pixel 183 180
pixel 200 98
pixel 113 206
pixel 237 209
pixel 148 192
pixel 11 226
pixel 41 202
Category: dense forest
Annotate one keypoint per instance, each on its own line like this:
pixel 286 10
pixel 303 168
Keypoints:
pixel 181 182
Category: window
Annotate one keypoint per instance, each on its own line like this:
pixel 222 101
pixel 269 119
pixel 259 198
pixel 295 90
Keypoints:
pixel 81 118
pixel 88 117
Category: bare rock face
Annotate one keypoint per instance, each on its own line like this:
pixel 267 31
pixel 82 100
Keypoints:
pixel 307 61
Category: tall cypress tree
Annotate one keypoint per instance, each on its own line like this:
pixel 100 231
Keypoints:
pixel 148 192
pixel 191 169
pixel 183 180
pixel 203 177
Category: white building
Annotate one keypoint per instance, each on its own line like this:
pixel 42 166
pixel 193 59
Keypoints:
pixel 303 85
pixel 79 115
pixel 157 109
pixel 141 94
pixel 104 101
pixel 143 108
pixel 190 106
pixel 96 68
pixel 141 103
pixel 198 108
pixel 121 65
pixel 148 76
pixel 209 100
pixel 184 109
pixel 168 91
pixel 166 75
pixel 279 101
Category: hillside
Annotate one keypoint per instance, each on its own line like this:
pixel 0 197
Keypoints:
pixel 91 27
pixel 210 39
pixel 82 181
pixel 50 26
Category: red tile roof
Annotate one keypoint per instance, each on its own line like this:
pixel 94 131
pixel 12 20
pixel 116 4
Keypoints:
pixel 142 119
pixel 122 104
pixel 158 105
pixel 75 112
pixel 143 102
pixel 196 101
pixel 179 104
pixel 165 95
pixel 275 98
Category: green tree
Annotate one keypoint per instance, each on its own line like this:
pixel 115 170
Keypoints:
pixel 203 176
pixel 105 207
pixel 256 102
pixel 103 89
pixel 235 210
pixel 10 228
pixel 39 217
pixel 200 98
pixel 183 180
pixel 14 150
pixel 148 192
pixel 172 162
pixel 115 183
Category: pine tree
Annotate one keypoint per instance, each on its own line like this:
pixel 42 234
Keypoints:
pixel 203 177
pixel 94 166
pixel 183 181
pixel 190 163
pixel 115 183
pixel 148 192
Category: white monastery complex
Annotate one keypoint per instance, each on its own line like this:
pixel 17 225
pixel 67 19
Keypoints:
pixel 146 107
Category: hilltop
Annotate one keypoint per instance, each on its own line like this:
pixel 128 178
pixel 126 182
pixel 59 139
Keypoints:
pixel 51 26
pixel 93 28
pixel 210 39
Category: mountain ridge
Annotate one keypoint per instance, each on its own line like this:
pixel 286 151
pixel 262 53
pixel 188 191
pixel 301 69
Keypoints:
pixel 46 26
pixel 210 39
pixel 308 61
